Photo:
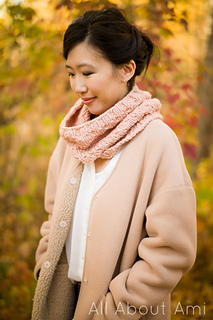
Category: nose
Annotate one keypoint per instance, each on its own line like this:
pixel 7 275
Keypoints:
pixel 78 85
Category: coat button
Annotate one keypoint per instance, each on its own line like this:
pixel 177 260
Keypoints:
pixel 62 223
pixel 73 180
pixel 47 264
pixel 85 281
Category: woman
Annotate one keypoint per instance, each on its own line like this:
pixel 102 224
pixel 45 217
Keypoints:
pixel 122 229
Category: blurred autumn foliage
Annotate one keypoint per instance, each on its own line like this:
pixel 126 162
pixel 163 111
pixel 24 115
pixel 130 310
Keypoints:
pixel 34 97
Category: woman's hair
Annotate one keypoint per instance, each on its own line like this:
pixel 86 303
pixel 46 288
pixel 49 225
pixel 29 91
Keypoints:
pixel 109 32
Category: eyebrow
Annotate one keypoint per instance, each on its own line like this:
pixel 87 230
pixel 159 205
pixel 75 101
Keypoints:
pixel 80 65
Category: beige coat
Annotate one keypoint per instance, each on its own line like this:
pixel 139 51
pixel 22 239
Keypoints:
pixel 141 233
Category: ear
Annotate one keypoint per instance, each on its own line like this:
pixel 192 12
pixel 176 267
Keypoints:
pixel 128 70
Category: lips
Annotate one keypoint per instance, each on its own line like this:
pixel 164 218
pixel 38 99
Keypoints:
pixel 88 100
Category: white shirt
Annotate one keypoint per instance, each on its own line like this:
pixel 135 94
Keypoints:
pixel 91 182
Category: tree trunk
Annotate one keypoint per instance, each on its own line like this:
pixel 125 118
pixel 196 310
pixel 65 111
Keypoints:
pixel 205 123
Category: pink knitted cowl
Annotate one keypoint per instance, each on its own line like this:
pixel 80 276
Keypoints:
pixel 102 136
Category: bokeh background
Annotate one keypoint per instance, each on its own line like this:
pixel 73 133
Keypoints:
pixel 35 95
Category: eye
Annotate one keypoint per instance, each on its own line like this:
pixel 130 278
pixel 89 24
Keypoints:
pixel 71 74
pixel 87 73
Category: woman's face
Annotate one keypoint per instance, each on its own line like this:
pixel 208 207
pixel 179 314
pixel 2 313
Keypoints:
pixel 95 80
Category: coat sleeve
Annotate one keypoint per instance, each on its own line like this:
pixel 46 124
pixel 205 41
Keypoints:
pixel 50 191
pixel 168 250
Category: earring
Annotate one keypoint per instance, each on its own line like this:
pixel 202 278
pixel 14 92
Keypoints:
pixel 124 80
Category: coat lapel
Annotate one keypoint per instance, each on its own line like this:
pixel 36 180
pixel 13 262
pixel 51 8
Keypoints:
pixel 56 244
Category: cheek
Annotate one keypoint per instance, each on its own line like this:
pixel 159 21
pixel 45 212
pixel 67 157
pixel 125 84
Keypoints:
pixel 97 85
pixel 106 78
pixel 103 84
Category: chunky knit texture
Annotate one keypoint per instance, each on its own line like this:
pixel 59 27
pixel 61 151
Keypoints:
pixel 102 136
pixel 46 281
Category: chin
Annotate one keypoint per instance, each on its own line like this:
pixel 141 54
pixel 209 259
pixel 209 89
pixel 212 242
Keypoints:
pixel 95 113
